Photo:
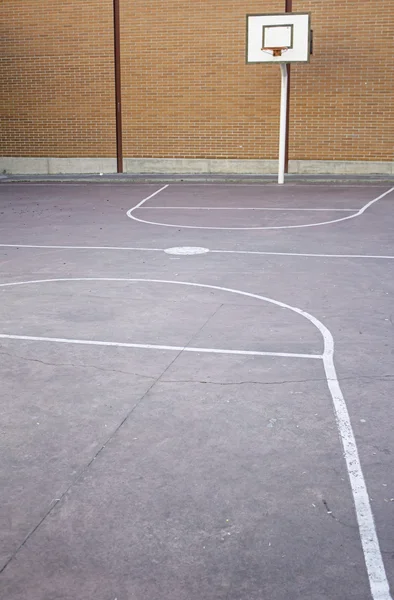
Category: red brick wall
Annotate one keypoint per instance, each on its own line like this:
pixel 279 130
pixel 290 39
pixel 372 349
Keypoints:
pixel 57 84
pixel 342 103
pixel 187 91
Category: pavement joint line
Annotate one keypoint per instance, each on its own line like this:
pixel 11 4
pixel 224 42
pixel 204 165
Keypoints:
pixel 54 503
pixel 359 212
pixel 251 252
pixel 373 559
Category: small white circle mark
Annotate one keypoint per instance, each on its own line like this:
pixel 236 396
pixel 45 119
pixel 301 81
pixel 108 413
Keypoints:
pixel 186 250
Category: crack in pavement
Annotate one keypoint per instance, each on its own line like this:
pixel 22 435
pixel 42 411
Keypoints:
pixel 344 524
pixel 387 377
pixel 83 469
pixel 81 366
pixel 335 518
pixel 284 381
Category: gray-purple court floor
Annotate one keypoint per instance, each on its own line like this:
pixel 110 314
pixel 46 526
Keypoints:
pixel 197 391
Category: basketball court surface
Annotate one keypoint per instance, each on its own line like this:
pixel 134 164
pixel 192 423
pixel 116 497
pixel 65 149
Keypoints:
pixel 196 391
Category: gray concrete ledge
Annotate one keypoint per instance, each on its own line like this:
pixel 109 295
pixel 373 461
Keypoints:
pixel 333 167
pixel 183 166
pixel 54 166
pixel 195 166
pixel 124 178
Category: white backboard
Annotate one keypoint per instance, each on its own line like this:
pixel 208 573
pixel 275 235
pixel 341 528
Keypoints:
pixel 290 31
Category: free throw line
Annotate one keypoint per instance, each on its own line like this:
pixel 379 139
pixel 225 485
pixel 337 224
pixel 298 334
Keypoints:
pixel 339 220
pixel 248 208
pixel 34 338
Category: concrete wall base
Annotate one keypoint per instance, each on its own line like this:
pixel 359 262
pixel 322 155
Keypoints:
pixel 337 167
pixel 186 166
pixel 203 166
pixel 54 166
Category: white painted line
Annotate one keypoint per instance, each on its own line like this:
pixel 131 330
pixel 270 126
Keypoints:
pixel 34 338
pixel 369 540
pixel 352 216
pixel 54 247
pixel 248 208
pixel 186 250
pixel 145 200
pixel 257 252
pixel 301 254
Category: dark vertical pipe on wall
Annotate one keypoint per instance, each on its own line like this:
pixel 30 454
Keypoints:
pixel 288 8
pixel 118 89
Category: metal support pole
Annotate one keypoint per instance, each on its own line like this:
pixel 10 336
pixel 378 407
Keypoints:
pixel 283 123
pixel 288 9
pixel 118 88
pixel 288 117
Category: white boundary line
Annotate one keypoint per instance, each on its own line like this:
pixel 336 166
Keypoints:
pixel 369 540
pixel 356 214
pixel 33 338
pixel 300 254
pixel 248 208
pixel 147 198
pixel 256 252
pixel 54 247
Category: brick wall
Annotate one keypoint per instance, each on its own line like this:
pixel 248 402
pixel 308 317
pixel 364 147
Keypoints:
pixel 57 83
pixel 187 91
pixel 343 101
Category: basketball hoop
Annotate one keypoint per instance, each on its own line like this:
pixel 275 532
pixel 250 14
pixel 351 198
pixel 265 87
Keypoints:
pixel 276 51
pixel 281 39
